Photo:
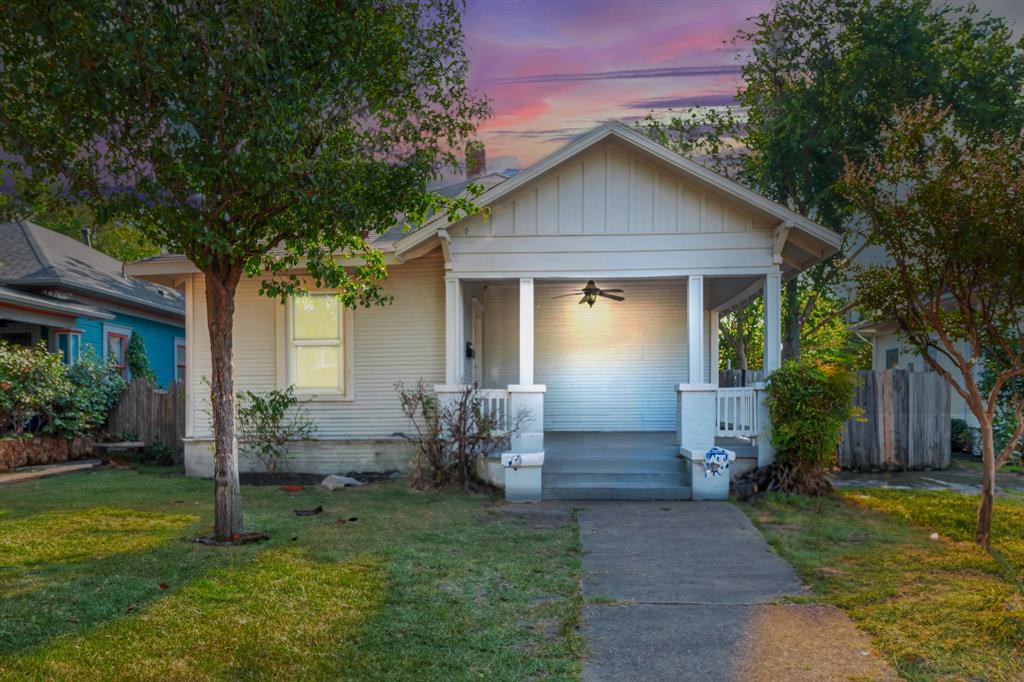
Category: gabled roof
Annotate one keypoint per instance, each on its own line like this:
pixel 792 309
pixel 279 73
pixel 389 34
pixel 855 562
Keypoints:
pixel 33 257
pixel 828 240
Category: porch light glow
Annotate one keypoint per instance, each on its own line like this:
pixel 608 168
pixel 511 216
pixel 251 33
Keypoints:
pixel 591 297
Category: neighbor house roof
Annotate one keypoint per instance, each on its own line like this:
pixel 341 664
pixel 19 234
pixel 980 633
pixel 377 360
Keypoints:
pixel 26 299
pixel 36 258
pixel 827 241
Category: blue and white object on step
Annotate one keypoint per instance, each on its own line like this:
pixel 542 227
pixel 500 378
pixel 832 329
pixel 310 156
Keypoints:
pixel 523 475
pixel 710 470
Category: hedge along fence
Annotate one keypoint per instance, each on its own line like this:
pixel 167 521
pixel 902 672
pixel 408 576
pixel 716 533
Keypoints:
pixel 151 415
pixel 906 423
pixel 20 452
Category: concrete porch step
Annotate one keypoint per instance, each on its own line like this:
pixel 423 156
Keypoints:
pixel 674 477
pixel 618 491
pixel 612 465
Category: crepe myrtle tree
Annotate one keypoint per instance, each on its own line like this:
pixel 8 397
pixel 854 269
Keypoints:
pixel 255 137
pixel 949 210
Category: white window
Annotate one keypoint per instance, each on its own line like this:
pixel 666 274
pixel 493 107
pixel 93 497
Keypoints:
pixel 68 344
pixel 317 347
pixel 180 363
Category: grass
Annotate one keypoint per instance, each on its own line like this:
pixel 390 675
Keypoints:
pixel 937 609
pixel 98 580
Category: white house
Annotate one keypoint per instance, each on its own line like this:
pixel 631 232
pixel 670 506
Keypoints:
pixel 615 392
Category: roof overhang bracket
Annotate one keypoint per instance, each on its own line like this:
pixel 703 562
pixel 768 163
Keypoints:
pixel 780 236
pixel 446 247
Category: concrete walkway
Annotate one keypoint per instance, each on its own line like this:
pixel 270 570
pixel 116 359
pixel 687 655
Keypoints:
pixel 690 591
pixel 30 473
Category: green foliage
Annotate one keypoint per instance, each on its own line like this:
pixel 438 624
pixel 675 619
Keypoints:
pixel 268 423
pixel 240 127
pixel 1010 397
pixel 156 454
pixel 955 242
pixel 822 80
pixel 39 394
pixel 138 359
pixel 808 403
pixel 961 436
pixel 32 382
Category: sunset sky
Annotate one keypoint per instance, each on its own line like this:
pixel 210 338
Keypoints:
pixel 554 68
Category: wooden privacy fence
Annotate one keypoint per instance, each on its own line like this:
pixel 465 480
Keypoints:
pixel 736 378
pixel 906 422
pixel 151 415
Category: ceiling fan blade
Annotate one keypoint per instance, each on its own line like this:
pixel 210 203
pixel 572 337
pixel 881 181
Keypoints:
pixel 611 296
pixel 572 293
pixel 583 300
pixel 614 291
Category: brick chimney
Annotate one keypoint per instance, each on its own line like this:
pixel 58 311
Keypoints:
pixel 476 159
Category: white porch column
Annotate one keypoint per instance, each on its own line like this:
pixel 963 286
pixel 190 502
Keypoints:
pixel 713 354
pixel 696 401
pixel 525 461
pixel 772 322
pixel 453 324
pixel 526 331
pixel 695 327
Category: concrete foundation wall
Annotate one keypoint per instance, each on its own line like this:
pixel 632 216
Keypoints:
pixel 314 457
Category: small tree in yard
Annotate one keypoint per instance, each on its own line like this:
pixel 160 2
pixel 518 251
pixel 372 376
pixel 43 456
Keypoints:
pixel 269 422
pixel 138 359
pixel 253 137
pixel 949 211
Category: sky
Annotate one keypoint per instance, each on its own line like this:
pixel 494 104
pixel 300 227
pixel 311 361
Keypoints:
pixel 554 68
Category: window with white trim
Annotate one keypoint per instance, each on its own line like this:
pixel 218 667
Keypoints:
pixel 180 363
pixel 115 347
pixel 316 344
pixel 68 343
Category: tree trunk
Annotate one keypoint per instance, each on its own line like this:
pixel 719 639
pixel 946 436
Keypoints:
pixel 220 312
pixel 983 530
pixel 791 322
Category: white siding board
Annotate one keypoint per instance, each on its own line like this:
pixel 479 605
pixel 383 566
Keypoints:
pixel 618 191
pixel 503 219
pixel 526 213
pixel 400 342
pixel 570 200
pixel 665 206
pixel 547 206
pixel 641 198
pixel 595 192
pixel 688 212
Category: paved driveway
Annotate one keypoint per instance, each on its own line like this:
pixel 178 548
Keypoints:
pixel 691 591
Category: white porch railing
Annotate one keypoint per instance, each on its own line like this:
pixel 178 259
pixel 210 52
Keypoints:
pixel 494 404
pixel 736 414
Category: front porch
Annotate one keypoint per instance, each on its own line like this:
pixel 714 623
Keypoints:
pixel 622 398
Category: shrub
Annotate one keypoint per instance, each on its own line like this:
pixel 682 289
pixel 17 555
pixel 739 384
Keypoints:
pixel 39 394
pixel 267 422
pixel 137 359
pixel 95 387
pixel 32 381
pixel 808 403
pixel 450 438
pixel 961 436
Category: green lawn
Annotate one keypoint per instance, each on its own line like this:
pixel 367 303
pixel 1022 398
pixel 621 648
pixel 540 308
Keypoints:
pixel 99 581
pixel 937 609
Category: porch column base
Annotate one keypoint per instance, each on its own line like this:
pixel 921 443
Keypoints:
pixel 524 462
pixel 763 441
pixel 697 412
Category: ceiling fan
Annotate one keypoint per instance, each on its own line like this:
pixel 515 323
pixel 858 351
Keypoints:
pixel 590 293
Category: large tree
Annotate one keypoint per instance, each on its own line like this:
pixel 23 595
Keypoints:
pixel 255 137
pixel 820 80
pixel 949 210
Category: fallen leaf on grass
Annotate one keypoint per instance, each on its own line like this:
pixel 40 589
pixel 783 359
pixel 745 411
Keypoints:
pixel 293 488
pixel 164 586
pixel 351 519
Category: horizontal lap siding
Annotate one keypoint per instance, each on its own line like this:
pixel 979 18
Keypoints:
pixel 400 342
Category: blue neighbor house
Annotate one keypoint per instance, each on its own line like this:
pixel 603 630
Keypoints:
pixel 62 292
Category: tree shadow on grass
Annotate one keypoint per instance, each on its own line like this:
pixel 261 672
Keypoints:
pixel 282 615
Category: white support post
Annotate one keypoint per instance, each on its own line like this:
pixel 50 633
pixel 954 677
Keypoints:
pixel 453 324
pixel 772 322
pixel 526 331
pixel 525 462
pixel 713 336
pixel 695 327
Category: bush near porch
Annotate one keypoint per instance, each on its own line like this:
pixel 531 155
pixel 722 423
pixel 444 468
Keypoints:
pixel 99 581
pixel 41 397
pixel 939 609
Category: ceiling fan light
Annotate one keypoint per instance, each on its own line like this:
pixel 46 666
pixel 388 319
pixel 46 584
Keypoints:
pixel 591 298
